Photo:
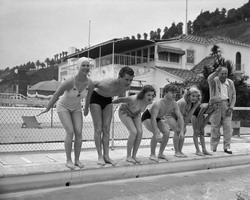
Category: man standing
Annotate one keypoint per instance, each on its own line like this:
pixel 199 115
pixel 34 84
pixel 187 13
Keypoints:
pixel 221 86
pixel 101 109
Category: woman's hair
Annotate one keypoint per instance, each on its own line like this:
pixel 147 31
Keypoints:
pixel 126 70
pixel 144 90
pixel 189 91
pixel 80 61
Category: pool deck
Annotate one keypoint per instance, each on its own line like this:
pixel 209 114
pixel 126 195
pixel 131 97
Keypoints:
pixel 35 170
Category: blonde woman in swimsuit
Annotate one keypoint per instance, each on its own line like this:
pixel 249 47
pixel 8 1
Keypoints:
pixel 187 105
pixel 69 109
pixel 130 114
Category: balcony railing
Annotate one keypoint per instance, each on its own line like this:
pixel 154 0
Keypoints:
pixel 121 59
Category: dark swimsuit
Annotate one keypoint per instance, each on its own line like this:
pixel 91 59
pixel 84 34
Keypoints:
pixel 100 100
pixel 147 115
pixel 197 110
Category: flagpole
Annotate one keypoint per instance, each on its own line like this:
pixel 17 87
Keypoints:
pixel 186 27
pixel 89 38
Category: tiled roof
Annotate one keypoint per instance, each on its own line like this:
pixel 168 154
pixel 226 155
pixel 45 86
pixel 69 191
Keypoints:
pixel 207 40
pixel 208 61
pixel 182 73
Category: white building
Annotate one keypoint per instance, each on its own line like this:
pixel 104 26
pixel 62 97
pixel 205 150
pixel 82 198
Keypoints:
pixel 157 62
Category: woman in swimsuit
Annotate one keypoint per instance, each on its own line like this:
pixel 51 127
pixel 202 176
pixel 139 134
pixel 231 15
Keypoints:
pixel 200 119
pixel 69 109
pixel 187 105
pixel 130 115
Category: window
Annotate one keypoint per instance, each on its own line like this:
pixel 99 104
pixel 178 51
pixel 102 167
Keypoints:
pixel 152 53
pixel 163 56
pixel 238 61
pixel 190 56
pixel 173 57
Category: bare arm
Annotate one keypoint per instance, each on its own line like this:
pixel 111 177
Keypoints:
pixel 128 99
pixel 154 113
pixel 87 99
pixel 191 112
pixel 62 88
pixel 180 119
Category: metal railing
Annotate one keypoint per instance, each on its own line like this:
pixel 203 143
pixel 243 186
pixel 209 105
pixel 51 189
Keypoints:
pixel 51 135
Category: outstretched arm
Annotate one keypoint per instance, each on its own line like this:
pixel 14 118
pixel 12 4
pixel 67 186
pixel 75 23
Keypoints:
pixel 64 86
pixel 122 100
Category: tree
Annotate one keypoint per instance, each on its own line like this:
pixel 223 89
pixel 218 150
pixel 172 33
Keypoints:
pixel 158 34
pixel 38 64
pixel 47 61
pixel 138 36
pixel 145 35
pixel 165 33
pixel 243 94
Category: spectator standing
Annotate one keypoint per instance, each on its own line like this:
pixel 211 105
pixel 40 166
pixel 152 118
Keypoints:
pixel 221 86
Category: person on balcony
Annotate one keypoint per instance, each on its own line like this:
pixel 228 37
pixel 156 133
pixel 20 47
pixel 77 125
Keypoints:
pixel 101 109
pixel 69 109
pixel 130 114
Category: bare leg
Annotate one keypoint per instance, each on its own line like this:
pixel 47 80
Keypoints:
pixel 136 146
pixel 106 118
pixel 65 118
pixel 176 144
pixel 137 142
pixel 196 144
pixel 78 122
pixel 181 143
pixel 96 113
pixel 165 130
pixel 153 144
pixel 203 145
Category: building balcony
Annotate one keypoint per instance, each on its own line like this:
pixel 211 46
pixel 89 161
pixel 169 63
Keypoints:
pixel 121 59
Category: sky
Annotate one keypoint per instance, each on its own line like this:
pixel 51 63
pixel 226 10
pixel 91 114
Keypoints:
pixel 32 30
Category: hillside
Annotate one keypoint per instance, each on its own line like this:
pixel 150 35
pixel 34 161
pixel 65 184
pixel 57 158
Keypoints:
pixel 239 31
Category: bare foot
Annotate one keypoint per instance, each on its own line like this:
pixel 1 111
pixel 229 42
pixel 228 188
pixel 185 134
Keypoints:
pixel 162 156
pixel 70 165
pixel 101 161
pixel 130 159
pixel 199 153
pixel 207 153
pixel 79 164
pixel 154 158
pixel 183 155
pixel 109 161
pixel 137 160
pixel 179 155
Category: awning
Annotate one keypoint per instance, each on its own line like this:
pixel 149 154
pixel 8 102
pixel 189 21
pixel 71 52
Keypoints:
pixel 121 45
pixel 164 48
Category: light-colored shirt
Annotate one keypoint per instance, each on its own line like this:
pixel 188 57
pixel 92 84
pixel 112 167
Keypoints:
pixel 224 92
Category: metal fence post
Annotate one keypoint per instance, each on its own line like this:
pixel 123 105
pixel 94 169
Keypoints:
pixel 51 121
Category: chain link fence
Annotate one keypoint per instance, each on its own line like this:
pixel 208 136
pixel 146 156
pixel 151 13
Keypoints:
pixel 15 137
